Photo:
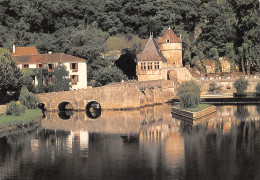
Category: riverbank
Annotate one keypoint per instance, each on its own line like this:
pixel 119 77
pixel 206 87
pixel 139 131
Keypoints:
pixel 11 123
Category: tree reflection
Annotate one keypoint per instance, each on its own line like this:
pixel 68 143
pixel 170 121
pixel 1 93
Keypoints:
pixel 241 112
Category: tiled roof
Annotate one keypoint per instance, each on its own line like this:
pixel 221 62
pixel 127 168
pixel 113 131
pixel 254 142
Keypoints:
pixel 169 34
pixel 19 51
pixel 47 58
pixel 151 52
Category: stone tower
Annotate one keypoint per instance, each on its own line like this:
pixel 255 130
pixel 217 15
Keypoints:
pixel 171 47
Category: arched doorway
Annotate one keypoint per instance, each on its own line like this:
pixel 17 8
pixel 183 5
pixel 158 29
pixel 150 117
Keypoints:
pixel 93 109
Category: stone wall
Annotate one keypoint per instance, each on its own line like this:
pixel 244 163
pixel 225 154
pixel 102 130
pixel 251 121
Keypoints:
pixel 113 96
pixel 227 85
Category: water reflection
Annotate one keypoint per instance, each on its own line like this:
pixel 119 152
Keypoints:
pixel 65 115
pixel 141 144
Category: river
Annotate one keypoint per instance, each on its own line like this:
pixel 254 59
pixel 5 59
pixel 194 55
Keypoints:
pixel 137 144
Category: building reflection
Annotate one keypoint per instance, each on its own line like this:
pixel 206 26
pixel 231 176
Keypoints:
pixel 150 135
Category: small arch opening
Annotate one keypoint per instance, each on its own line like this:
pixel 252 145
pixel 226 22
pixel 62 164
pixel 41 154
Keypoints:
pixel 63 106
pixel 43 108
pixel 93 110
pixel 65 110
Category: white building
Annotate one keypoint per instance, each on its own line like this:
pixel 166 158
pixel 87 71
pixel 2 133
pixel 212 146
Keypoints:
pixel 28 57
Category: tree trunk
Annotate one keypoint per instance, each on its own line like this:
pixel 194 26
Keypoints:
pixel 243 66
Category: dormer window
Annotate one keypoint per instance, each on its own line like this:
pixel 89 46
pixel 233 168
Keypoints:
pixel 168 40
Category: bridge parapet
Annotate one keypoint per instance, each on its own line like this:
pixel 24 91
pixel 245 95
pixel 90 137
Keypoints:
pixel 115 96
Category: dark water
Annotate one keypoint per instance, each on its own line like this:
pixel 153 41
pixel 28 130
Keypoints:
pixel 141 144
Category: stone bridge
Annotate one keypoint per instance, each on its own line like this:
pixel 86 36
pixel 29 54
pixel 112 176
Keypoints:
pixel 113 96
pixel 130 95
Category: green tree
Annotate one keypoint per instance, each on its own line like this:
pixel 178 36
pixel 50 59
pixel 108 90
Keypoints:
pixel 28 99
pixel 107 75
pixel 61 81
pixel 28 80
pixel 10 74
pixel 241 86
pixel 230 54
pixel 257 89
pixel 189 94
pixel 215 56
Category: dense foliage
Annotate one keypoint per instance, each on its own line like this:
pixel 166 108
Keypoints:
pixel 15 108
pixel 209 28
pixel 257 89
pixel 10 75
pixel 189 94
pixel 107 75
pixel 241 86
pixel 214 88
pixel 28 99
pixel 61 81
pixel 28 80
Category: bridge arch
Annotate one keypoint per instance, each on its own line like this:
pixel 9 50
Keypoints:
pixel 93 109
pixel 65 105
pixel 42 106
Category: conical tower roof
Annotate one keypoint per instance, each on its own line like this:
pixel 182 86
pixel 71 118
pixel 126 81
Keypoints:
pixel 169 37
pixel 151 52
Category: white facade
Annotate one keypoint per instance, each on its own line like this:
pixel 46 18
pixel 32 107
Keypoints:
pixel 77 72
pixel 81 74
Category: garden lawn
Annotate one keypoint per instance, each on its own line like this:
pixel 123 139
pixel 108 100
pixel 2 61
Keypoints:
pixel 29 116
pixel 197 109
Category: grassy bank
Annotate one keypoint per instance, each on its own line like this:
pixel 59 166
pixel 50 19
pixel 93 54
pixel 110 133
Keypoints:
pixel 27 117
pixel 197 109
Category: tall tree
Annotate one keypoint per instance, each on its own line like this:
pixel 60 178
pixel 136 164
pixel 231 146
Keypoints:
pixel 10 76
pixel 61 81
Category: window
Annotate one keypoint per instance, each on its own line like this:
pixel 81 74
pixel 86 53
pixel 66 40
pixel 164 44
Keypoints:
pixel 25 66
pixel 156 65
pixel 74 67
pixel 150 66
pixel 168 40
pixel 50 67
pixel 143 66
pixel 74 79
pixel 40 65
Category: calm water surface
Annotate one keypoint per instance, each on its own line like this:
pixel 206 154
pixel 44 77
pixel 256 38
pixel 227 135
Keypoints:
pixel 141 144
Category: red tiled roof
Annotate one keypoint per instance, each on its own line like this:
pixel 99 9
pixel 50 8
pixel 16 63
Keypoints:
pixel 169 34
pixel 19 51
pixel 151 52
pixel 47 58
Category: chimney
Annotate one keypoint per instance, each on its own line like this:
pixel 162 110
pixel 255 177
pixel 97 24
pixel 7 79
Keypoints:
pixel 180 36
pixel 13 48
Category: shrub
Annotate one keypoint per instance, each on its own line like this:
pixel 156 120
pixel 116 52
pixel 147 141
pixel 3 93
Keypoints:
pixel 15 108
pixel 257 89
pixel 189 94
pixel 241 86
pixel 213 87
pixel 28 99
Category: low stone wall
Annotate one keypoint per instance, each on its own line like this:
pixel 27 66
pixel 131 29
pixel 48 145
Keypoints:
pixel 227 85
pixel 114 96
pixel 194 115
